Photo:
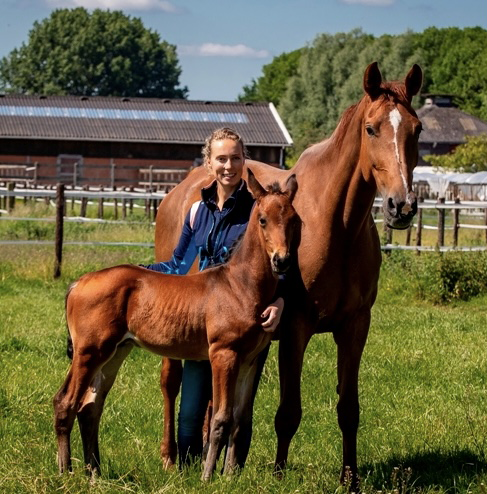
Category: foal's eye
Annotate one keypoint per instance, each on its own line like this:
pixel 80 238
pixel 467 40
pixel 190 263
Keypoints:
pixel 370 130
pixel 262 222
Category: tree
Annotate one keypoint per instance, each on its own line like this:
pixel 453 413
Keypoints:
pixel 104 53
pixel 329 80
pixel 271 85
pixel 469 157
pixel 456 63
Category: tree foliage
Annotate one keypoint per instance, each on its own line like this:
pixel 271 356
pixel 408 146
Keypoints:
pixel 329 79
pixel 326 76
pixel 469 157
pixel 104 53
pixel 456 63
pixel 272 84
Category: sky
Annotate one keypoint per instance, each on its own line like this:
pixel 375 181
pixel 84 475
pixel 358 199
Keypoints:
pixel 223 45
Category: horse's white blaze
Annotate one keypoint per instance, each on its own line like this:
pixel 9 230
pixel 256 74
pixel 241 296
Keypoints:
pixel 395 119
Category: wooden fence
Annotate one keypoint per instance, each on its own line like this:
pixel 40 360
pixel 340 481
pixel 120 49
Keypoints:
pixel 125 198
pixel 77 173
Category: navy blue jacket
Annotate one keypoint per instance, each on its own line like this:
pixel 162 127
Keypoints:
pixel 213 232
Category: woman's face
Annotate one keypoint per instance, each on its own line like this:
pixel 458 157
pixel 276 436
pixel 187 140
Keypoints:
pixel 226 162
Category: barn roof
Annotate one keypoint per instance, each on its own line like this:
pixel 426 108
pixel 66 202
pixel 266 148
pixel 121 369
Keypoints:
pixel 137 119
pixel 445 123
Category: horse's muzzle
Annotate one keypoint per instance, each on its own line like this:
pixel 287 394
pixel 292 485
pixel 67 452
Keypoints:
pixel 398 214
pixel 280 264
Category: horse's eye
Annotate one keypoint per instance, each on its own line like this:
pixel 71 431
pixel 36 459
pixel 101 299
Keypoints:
pixel 370 130
pixel 262 222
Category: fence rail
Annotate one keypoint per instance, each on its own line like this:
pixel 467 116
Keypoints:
pixel 152 199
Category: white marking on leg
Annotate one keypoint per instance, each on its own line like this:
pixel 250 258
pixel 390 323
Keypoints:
pixel 395 119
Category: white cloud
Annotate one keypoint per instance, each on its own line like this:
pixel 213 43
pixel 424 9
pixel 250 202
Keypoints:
pixel 371 3
pixel 163 5
pixel 217 50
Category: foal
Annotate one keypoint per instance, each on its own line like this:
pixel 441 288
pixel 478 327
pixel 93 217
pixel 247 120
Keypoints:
pixel 214 314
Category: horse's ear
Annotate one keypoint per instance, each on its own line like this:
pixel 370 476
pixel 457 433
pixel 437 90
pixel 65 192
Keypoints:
pixel 291 186
pixel 254 186
pixel 413 81
pixel 372 80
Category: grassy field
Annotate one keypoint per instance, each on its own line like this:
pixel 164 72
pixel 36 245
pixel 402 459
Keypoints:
pixel 423 389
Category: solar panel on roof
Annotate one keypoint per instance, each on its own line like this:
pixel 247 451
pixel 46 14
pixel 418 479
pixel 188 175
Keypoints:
pixel 114 114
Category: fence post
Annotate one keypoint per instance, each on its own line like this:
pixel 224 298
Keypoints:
pixel 84 204
pixel 155 206
pixel 115 205
pixel 100 203
pixel 75 175
pixel 419 228
pixel 456 223
pixel 387 232
pixel 408 234
pixel 485 225
pixel 10 196
pixel 131 201
pixel 59 230
pixel 124 205
pixel 441 223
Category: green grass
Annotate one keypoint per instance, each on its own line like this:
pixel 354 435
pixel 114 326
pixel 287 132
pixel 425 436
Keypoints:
pixel 423 389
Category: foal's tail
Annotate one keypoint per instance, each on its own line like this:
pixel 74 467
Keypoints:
pixel 69 341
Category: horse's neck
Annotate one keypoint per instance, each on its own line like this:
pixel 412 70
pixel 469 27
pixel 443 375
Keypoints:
pixel 334 178
pixel 250 265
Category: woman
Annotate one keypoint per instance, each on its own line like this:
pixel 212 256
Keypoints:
pixel 211 228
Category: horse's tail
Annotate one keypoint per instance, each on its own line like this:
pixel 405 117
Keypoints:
pixel 69 342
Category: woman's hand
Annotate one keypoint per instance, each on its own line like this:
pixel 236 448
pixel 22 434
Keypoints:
pixel 272 315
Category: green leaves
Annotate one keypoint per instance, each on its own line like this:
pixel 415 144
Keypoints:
pixel 105 53
pixel 314 85
pixel 470 157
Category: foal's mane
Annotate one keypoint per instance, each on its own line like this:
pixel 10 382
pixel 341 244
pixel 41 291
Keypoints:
pixel 274 189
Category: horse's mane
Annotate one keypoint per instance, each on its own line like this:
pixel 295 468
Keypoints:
pixel 393 90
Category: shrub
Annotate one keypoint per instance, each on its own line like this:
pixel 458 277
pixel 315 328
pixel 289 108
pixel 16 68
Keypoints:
pixel 440 277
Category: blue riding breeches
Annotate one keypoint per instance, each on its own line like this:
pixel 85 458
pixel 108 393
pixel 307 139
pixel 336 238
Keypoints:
pixel 195 395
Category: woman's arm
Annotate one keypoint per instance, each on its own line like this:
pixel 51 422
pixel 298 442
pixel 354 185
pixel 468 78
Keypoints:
pixel 183 256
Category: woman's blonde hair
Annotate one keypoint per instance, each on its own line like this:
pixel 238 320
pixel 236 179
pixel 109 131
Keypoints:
pixel 220 135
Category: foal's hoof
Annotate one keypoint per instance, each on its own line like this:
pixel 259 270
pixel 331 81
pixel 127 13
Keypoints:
pixel 206 477
pixel 168 463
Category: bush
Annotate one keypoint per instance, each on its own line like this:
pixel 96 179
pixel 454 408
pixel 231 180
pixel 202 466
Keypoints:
pixel 440 277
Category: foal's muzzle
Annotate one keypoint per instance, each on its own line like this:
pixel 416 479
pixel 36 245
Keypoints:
pixel 280 264
pixel 398 213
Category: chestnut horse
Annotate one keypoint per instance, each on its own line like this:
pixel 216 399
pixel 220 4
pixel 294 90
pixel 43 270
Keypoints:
pixel 211 315
pixel 374 148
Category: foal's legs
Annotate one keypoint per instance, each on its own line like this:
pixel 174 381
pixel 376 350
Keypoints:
pixel 238 444
pixel 247 385
pixel 171 374
pixel 66 403
pixel 350 339
pixel 91 408
pixel 224 367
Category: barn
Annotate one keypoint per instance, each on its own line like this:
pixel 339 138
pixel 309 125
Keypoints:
pixel 124 141
pixel 445 126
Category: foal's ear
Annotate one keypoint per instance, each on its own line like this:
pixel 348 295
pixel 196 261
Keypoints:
pixel 413 81
pixel 291 186
pixel 254 186
pixel 372 80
